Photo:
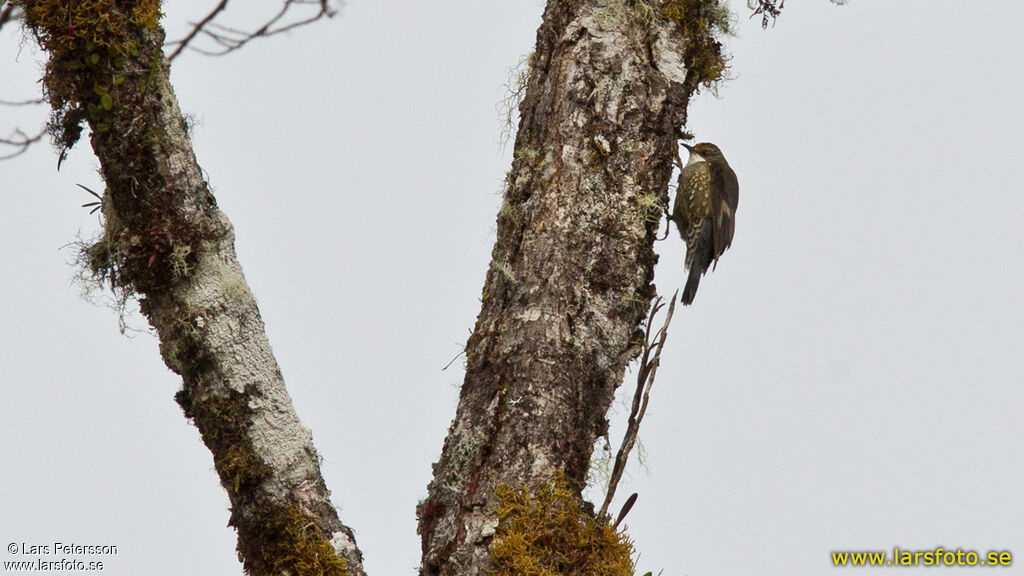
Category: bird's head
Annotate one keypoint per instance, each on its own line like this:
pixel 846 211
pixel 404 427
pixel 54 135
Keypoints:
pixel 706 150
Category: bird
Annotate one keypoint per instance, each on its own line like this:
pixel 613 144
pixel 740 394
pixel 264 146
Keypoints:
pixel 705 211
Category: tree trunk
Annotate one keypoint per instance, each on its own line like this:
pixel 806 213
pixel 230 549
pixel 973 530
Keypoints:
pixel 571 272
pixel 166 243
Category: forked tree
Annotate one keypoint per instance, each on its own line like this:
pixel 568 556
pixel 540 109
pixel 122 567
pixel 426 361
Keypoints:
pixel 565 306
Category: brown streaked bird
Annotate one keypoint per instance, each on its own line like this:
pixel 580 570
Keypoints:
pixel 705 211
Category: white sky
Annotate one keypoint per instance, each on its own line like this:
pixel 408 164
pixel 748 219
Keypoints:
pixel 849 378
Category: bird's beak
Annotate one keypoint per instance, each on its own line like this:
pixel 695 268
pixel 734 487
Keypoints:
pixel 687 146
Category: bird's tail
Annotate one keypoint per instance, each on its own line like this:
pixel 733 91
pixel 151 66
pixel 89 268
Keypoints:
pixel 702 259
pixel 690 290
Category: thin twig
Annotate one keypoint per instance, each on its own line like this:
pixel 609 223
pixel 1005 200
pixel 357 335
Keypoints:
pixel 182 44
pixel 21 142
pixel 31 102
pixel 8 13
pixel 644 381
pixel 231 39
pixel 18 139
pixel 452 361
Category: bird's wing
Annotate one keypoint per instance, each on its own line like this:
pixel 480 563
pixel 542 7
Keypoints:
pixel 680 210
pixel 724 199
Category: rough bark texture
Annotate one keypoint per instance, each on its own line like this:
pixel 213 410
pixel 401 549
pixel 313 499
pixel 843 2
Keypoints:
pixel 571 273
pixel 166 242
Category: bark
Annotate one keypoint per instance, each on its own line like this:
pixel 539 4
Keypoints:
pixel 166 243
pixel 571 274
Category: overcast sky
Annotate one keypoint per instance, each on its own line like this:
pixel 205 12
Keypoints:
pixel 850 377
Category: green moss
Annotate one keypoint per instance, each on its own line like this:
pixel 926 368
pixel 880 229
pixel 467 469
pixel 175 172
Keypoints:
pixel 89 43
pixel 547 532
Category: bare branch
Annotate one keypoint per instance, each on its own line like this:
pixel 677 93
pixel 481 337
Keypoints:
pixel 644 380
pixel 9 13
pixel 230 39
pixel 182 44
pixel 20 142
pixel 31 102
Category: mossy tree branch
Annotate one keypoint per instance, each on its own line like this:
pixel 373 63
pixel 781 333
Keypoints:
pixel 166 243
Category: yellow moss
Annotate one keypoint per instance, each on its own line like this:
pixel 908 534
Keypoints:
pixel 274 537
pixel 147 14
pixel 242 468
pixel 291 544
pixel 702 23
pixel 546 532
pixel 77 23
